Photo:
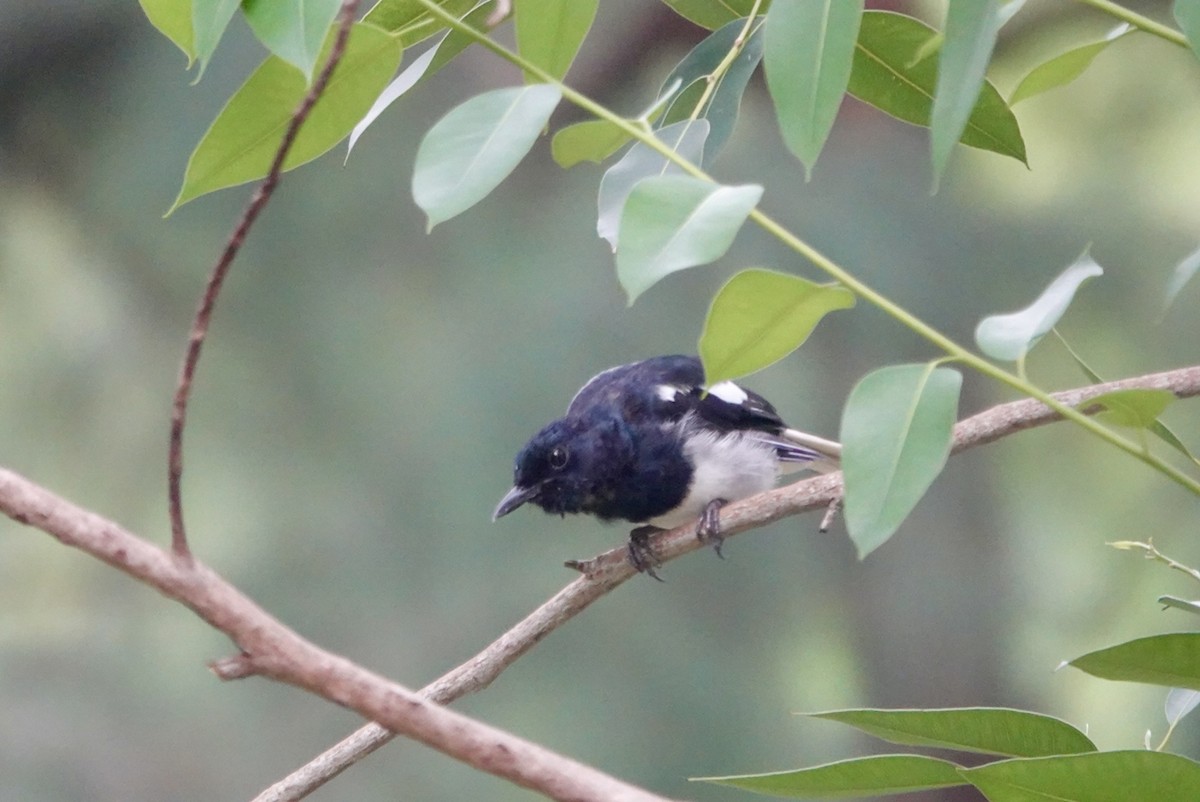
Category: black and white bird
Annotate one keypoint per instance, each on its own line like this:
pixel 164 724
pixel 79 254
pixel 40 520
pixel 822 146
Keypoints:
pixel 648 443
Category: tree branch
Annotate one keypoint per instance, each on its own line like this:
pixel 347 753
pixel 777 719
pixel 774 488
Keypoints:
pixel 258 201
pixel 605 571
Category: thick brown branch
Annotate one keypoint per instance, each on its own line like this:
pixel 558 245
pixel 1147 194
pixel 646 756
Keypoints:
pixel 606 571
pixel 279 653
pixel 258 201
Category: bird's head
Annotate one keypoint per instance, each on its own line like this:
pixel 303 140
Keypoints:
pixel 569 466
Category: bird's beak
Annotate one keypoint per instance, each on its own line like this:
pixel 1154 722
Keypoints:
pixel 512 499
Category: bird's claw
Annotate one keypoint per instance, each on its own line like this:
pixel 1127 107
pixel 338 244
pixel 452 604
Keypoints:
pixel 641 555
pixel 709 528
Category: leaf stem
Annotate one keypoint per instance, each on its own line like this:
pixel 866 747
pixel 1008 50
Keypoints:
pixel 1138 21
pixel 824 263
pixel 714 78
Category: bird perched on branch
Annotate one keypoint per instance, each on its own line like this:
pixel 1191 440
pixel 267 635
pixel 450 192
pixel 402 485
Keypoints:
pixel 648 443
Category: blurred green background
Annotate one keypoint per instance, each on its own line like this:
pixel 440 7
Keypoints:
pixel 366 385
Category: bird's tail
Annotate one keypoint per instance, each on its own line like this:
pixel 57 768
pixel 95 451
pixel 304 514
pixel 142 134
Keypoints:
pixel 830 451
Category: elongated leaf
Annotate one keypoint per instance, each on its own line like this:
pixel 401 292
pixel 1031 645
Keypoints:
pixel 685 138
pixel 721 108
pixel 989 730
pixel 1137 407
pixel 1171 660
pixel 473 148
pixel 293 30
pixel 809 53
pixel 411 21
pixel 1187 14
pixel 971 30
pixel 210 18
pixel 1181 276
pixel 550 32
pixel 1180 702
pixel 1096 777
pixel 242 141
pixel 1180 604
pixel 425 65
pixel 674 222
pixel 761 316
pixel 847 779
pixel 1063 68
pixel 1011 336
pixel 896 431
pixel 895 72
pixel 173 19
pixel 712 14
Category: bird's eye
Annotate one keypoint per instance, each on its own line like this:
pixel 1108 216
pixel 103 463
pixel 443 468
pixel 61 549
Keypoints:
pixel 558 457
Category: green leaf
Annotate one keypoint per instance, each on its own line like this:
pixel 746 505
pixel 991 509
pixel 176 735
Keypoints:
pixel 1137 407
pixel 809 53
pixel 173 19
pixel 685 138
pixel 423 66
pixel 210 18
pixel 411 21
pixel 674 222
pixel 848 779
pixel 243 140
pixel 1179 702
pixel 971 30
pixel 1063 68
pixel 550 32
pixel 588 141
pixel 1010 336
pixel 1187 14
pixel 1181 276
pixel 890 74
pixel 712 14
pixel 721 108
pixel 473 148
pixel 293 30
pixel 1172 660
pixel 1132 776
pixel 989 730
pixel 761 316
pixel 896 431
pixel 1180 604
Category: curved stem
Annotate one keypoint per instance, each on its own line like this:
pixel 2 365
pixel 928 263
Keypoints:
pixel 827 265
pixel 1139 21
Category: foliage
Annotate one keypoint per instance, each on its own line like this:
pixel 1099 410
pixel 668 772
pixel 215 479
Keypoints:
pixel 662 212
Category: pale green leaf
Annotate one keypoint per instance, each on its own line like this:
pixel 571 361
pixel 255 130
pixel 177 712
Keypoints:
pixel 1180 702
pixel 550 32
pixel 895 72
pixel 243 140
pixel 588 141
pixel 1010 336
pixel 761 316
pixel 1132 776
pixel 210 18
pixel 673 222
pixel 1182 274
pixel 1180 604
pixel 809 54
pixel 971 30
pixel 1136 407
pixel 473 148
pixel 1187 14
pixel 411 21
pixel 685 138
pixel 173 19
pixel 988 730
pixel 850 779
pixel 1062 69
pixel 294 30
pixel 724 102
pixel 896 431
pixel 1172 660
pixel 712 14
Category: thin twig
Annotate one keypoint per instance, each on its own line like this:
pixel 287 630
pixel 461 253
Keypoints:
pixel 604 572
pixel 258 201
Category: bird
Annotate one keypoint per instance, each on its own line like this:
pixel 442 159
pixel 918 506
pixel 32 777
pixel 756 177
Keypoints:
pixel 649 443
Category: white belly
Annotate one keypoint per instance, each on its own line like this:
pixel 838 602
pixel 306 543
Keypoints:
pixel 729 467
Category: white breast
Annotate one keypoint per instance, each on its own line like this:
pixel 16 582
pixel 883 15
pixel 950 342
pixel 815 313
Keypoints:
pixel 730 466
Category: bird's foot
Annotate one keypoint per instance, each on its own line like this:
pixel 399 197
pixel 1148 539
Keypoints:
pixel 641 555
pixel 709 528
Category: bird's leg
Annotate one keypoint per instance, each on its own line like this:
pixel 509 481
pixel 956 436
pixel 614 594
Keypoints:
pixel 709 528
pixel 641 556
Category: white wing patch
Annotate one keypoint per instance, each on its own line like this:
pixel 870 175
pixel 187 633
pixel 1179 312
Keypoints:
pixel 729 392
pixel 668 392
